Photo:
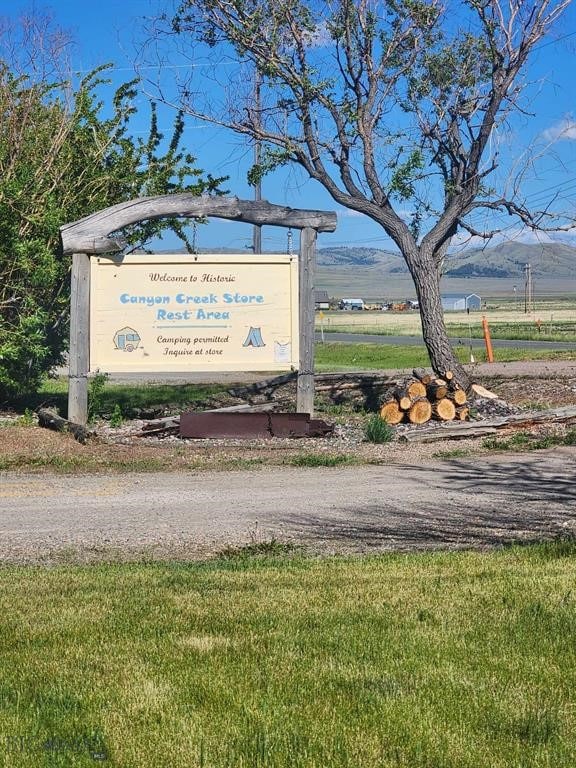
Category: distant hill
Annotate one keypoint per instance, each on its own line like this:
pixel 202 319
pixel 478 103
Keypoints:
pixel 356 257
pixel 506 260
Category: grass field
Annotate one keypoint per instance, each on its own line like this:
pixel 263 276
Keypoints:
pixel 337 356
pixel 375 284
pixel 559 325
pixel 462 660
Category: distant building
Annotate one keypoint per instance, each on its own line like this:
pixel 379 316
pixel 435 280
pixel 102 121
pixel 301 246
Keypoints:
pixel 461 301
pixel 352 304
pixel 321 300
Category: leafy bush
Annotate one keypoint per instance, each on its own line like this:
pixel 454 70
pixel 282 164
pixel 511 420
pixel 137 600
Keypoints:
pixel 27 418
pixel 60 160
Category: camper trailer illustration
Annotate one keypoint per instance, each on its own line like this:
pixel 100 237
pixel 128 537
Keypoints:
pixel 126 339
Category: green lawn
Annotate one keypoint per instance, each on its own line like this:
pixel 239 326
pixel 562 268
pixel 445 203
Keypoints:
pixel 336 356
pixel 439 661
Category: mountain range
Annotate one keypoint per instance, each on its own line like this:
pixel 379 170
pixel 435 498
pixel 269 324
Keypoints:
pixel 506 260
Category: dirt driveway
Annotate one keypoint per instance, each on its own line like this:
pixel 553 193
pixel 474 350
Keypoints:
pixel 409 500
pixel 482 501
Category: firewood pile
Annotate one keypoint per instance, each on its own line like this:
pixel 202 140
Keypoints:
pixel 423 397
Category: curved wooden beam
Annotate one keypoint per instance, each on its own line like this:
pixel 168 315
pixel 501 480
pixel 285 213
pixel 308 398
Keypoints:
pixel 93 234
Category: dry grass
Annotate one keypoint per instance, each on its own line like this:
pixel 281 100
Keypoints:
pixel 408 323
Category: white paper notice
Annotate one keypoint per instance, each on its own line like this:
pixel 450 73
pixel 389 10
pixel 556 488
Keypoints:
pixel 282 352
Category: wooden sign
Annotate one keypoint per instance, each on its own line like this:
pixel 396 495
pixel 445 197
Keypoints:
pixel 209 312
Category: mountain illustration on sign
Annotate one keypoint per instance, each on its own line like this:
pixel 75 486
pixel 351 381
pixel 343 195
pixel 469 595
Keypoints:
pixel 127 339
pixel 254 338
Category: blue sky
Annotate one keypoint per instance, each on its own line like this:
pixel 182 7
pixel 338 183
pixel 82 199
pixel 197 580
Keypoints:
pixel 109 31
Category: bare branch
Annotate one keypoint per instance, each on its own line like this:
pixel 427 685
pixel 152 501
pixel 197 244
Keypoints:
pixel 383 104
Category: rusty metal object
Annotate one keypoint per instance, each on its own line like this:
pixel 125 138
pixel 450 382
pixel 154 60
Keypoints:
pixel 201 425
pixel 251 425
pixel 289 424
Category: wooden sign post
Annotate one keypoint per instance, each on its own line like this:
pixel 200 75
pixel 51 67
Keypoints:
pixel 91 236
pixel 305 382
pixel 79 363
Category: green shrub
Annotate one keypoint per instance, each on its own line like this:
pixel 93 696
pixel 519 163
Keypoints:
pixel 377 431
pixel 116 419
pixel 570 437
pixel 27 418
pixel 96 395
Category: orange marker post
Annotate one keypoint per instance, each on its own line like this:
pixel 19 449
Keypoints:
pixel 487 340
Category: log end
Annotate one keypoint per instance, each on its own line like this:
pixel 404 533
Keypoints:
pixel 444 409
pixel 391 412
pixel 420 412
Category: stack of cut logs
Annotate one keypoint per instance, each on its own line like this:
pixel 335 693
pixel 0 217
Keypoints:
pixel 425 397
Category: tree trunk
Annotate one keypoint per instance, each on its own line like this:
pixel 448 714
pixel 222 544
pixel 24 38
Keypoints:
pixel 426 276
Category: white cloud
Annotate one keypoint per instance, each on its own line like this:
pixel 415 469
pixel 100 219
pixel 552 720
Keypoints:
pixel 348 213
pixel 319 38
pixel 568 237
pixel 463 240
pixel 564 129
pixel 525 235
pixel 405 215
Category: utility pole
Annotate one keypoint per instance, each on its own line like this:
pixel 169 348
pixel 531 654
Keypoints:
pixel 257 230
pixel 528 289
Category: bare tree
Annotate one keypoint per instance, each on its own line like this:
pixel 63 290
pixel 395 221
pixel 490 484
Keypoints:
pixel 387 104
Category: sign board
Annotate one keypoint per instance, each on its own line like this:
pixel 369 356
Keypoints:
pixel 209 312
